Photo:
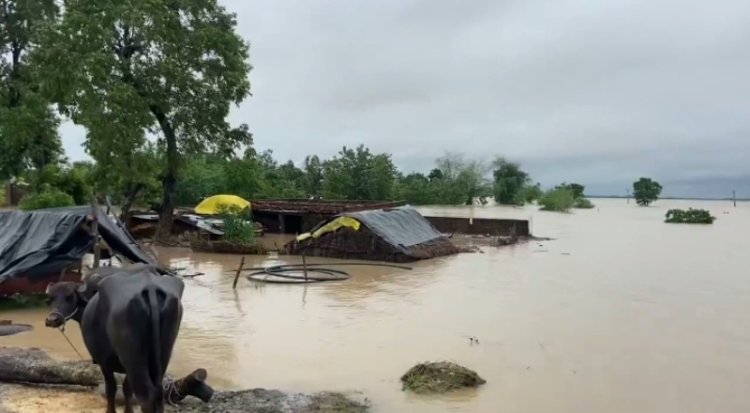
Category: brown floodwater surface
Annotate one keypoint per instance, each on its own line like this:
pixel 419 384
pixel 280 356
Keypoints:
pixel 619 313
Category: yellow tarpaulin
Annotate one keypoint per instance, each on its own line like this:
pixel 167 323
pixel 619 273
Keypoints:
pixel 212 205
pixel 333 225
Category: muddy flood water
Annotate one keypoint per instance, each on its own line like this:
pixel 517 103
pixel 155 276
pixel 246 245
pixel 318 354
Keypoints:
pixel 619 313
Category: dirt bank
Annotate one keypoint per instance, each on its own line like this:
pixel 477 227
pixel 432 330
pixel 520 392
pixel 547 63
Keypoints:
pixel 74 391
pixel 26 399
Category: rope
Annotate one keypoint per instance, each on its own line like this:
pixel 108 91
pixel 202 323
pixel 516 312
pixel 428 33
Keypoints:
pixel 170 388
pixel 62 331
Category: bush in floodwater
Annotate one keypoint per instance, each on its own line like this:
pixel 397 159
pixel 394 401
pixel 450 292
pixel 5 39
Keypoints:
pixel 560 199
pixel 583 203
pixel 439 377
pixel 691 216
pixel 238 225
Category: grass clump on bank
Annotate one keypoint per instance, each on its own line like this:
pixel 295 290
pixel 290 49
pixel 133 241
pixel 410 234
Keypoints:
pixel 439 377
pixel 691 216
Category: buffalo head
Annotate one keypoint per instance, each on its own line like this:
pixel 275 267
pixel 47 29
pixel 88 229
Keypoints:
pixel 65 299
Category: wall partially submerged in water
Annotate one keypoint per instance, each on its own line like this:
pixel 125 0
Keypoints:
pixel 481 226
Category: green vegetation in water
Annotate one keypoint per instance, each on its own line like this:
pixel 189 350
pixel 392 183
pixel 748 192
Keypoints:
pixel 691 216
pixel 559 199
pixel 646 191
pixel 583 203
pixel 238 225
pixel 439 377
pixel 20 301
pixel 565 197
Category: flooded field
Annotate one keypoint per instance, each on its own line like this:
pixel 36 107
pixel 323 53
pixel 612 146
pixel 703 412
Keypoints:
pixel 620 313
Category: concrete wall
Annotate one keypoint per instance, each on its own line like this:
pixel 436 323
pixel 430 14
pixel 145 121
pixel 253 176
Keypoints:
pixel 481 226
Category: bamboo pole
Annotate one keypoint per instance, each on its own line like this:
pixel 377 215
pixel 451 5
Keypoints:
pixel 95 233
pixel 237 275
pixel 304 265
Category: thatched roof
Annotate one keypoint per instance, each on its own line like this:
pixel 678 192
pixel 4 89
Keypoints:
pixel 401 234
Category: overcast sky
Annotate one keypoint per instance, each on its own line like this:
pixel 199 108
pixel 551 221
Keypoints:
pixel 595 91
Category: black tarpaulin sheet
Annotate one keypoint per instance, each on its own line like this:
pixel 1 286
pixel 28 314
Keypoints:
pixel 38 243
pixel 400 227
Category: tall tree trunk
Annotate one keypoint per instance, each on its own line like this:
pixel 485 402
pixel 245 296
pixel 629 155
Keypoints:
pixel 129 201
pixel 169 183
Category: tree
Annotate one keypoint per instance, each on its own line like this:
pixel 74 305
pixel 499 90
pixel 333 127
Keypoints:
pixel 578 194
pixel 646 191
pixel 170 67
pixel 28 126
pixel 435 175
pixel 529 193
pixel 313 180
pixel 559 199
pixel 509 181
pixel 359 174
pixel 416 189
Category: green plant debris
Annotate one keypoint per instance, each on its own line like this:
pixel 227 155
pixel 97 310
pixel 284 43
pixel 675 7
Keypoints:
pixel 691 216
pixel 439 377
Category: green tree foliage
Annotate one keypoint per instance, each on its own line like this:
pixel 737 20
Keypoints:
pixel 578 193
pixel 691 216
pixel 171 67
pixel 129 174
pixel 509 181
pixel 646 191
pixel 529 194
pixel 313 176
pixel 359 174
pixel 417 189
pixel 47 197
pixel 559 199
pixel 28 126
pixel 73 180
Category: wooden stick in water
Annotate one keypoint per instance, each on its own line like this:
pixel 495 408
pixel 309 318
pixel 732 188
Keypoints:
pixel 239 270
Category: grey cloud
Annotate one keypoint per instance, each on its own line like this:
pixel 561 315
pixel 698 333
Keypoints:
pixel 595 91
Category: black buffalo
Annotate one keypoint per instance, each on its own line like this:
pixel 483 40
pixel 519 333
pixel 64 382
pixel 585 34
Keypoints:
pixel 129 319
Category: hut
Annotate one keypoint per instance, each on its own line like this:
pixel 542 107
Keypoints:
pixel 295 216
pixel 396 235
pixel 43 246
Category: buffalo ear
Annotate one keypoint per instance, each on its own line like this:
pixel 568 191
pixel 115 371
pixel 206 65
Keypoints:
pixel 49 288
pixel 83 291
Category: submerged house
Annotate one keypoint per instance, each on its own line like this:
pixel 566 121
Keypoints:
pixel 43 246
pixel 295 216
pixel 396 235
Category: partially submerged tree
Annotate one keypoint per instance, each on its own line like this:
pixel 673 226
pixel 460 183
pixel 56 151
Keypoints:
pixel 510 180
pixel 646 191
pixel 28 125
pixel 558 199
pixel 170 67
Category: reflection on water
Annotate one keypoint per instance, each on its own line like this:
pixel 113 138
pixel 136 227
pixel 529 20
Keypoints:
pixel 620 313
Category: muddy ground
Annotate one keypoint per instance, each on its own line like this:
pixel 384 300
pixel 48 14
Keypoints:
pixel 28 399
pixel 53 391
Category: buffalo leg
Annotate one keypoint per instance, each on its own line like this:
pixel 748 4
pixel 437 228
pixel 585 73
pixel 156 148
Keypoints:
pixel 128 393
pixel 110 386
